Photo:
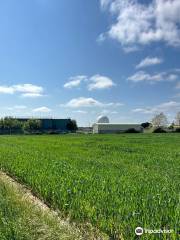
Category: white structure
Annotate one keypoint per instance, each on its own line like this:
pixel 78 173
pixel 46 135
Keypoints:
pixel 115 127
pixel 102 119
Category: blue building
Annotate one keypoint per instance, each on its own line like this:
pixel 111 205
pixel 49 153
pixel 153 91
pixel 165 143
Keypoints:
pixel 50 124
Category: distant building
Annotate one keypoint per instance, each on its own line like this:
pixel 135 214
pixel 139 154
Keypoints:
pixel 102 119
pixel 85 130
pixel 115 127
pixel 103 125
pixel 47 124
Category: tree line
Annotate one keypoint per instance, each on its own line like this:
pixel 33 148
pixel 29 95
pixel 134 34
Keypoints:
pixel 13 125
pixel 160 121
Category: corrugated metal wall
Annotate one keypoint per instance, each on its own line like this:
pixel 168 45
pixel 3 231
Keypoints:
pixel 51 124
pixel 55 124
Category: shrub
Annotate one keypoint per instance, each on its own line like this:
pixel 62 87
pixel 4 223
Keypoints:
pixel 159 130
pixel 72 126
pixel 32 125
pixel 132 130
pixel 146 124
pixel 177 130
pixel 171 127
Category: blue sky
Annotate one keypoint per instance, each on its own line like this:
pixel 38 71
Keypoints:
pixel 82 59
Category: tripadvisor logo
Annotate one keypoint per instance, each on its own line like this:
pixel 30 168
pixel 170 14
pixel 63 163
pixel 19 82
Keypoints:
pixel 139 231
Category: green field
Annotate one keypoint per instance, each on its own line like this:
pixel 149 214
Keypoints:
pixel 22 220
pixel 115 182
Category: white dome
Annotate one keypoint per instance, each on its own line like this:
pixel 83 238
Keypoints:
pixel 102 119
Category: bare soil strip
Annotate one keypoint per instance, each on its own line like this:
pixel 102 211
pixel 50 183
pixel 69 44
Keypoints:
pixel 84 232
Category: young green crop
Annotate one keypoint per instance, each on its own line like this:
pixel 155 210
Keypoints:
pixel 116 182
pixel 23 219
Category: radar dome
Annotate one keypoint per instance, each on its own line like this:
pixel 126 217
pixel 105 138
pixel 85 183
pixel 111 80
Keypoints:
pixel 102 119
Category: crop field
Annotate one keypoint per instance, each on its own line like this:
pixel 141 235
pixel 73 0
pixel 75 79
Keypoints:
pixel 115 182
pixel 20 219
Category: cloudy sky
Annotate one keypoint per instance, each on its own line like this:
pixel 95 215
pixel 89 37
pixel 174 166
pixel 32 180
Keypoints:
pixel 82 59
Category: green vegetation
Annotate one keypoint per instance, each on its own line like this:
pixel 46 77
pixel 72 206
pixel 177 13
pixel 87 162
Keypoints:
pixel 115 182
pixel 20 219
pixel 10 125
pixel 72 126
pixel 32 125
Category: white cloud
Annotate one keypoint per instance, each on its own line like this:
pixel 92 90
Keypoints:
pixel 136 110
pixel 149 62
pixel 177 70
pixel 6 90
pixel 26 90
pixel 100 82
pixel 88 102
pixel 83 102
pixel 105 111
pixel 130 49
pixel 114 112
pixel 104 3
pixel 172 77
pixel 117 104
pixel 75 81
pixel 143 76
pixel 163 107
pixel 80 111
pixel 101 38
pixel 42 110
pixel 32 95
pixel 20 107
pixel 142 23
pixel 16 108
pixel 94 82
pixel 177 96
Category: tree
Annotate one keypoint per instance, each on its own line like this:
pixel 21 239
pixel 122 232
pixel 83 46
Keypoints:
pixel 159 130
pixel 1 123
pixel 178 119
pixel 8 123
pixel 171 127
pixel 145 124
pixel 32 125
pixel 17 125
pixel 159 120
pixel 72 126
pixel 132 130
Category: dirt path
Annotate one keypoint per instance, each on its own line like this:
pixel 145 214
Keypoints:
pixel 25 196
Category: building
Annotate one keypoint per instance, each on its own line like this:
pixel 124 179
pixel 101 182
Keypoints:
pixel 102 119
pixel 85 130
pixel 48 124
pixel 103 125
pixel 115 127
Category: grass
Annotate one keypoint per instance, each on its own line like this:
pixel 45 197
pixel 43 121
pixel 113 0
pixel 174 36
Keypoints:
pixel 21 219
pixel 115 182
